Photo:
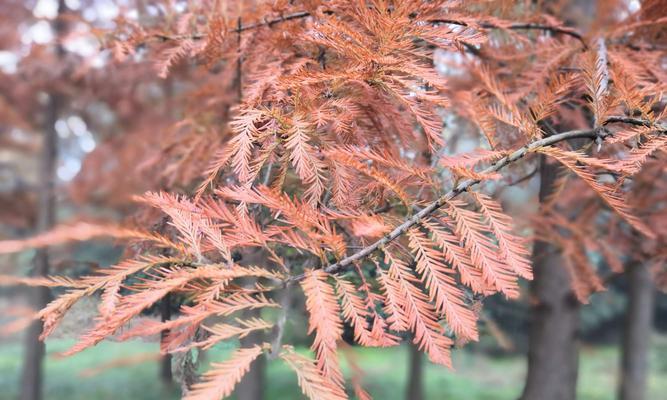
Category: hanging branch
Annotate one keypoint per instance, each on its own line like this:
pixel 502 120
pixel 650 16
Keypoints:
pixel 304 14
pixel 593 134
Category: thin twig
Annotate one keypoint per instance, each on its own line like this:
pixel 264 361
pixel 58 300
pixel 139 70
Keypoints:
pixel 523 178
pixel 240 28
pixel 553 29
pixel 627 120
pixel 541 27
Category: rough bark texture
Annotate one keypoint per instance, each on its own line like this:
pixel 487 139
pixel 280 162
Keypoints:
pixel 637 333
pixel 553 347
pixel 415 386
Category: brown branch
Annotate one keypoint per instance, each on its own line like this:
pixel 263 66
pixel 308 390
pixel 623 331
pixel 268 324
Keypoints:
pixel 541 27
pixel 305 14
pixel 595 134
pixel 549 28
pixel 240 28
pixel 628 120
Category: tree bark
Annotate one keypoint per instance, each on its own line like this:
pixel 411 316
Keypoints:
pixel 34 349
pixel 32 369
pixel 415 384
pixel 166 376
pixel 31 379
pixel 553 347
pixel 251 386
pixel 637 333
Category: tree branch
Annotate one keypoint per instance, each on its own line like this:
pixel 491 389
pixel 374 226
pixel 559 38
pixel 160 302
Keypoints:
pixel 594 134
pixel 240 28
pixel 460 188
pixel 549 28
pixel 627 120
pixel 541 27
pixel 304 14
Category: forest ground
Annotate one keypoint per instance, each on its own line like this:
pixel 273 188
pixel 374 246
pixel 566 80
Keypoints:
pixel 477 375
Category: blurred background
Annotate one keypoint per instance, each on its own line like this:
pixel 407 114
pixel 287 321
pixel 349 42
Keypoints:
pixel 80 133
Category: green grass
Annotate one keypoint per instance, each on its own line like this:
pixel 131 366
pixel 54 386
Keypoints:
pixel 477 376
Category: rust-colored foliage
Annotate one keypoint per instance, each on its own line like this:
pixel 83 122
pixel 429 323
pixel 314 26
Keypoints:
pixel 320 123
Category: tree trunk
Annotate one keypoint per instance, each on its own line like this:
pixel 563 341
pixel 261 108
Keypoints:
pixel 32 370
pixel 251 386
pixel 31 383
pixel 31 380
pixel 553 347
pixel 415 386
pixel 637 333
pixel 166 375
pixel 31 377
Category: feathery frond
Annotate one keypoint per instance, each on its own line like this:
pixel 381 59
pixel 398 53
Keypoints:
pixel 324 321
pixel 312 383
pixel 419 314
pixel 309 168
pixel 483 251
pixel 511 246
pixel 440 282
pixel 219 381
pixel 577 163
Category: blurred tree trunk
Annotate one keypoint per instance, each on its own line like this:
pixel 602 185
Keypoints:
pixel 553 348
pixel 415 386
pixel 166 375
pixel 637 333
pixel 34 349
pixel 251 386
pixel 32 370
